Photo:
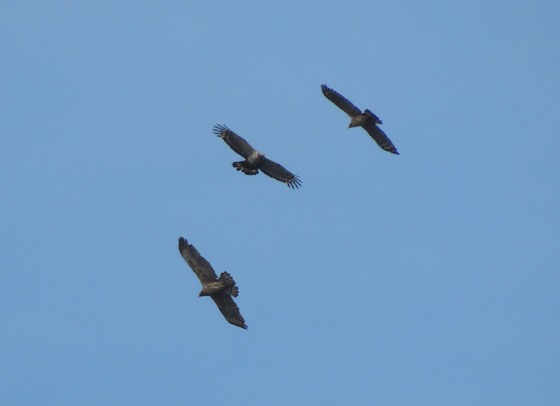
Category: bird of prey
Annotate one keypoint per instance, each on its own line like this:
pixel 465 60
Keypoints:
pixel 367 119
pixel 219 289
pixel 255 160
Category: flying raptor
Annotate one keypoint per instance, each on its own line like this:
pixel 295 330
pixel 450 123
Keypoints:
pixel 367 120
pixel 255 160
pixel 219 289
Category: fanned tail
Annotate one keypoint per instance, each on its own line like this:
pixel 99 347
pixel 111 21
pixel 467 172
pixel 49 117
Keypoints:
pixel 245 168
pixel 376 119
pixel 232 288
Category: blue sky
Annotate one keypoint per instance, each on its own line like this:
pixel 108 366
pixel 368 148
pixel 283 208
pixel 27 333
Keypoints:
pixel 426 278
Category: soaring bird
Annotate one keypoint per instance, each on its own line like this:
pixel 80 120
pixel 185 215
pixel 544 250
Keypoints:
pixel 255 160
pixel 367 120
pixel 219 289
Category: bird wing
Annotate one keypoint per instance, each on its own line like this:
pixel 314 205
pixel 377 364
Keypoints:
pixel 197 262
pixel 229 309
pixel 380 137
pixel 280 173
pixel 341 102
pixel 235 142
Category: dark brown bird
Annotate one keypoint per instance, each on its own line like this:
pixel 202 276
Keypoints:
pixel 219 289
pixel 255 160
pixel 367 120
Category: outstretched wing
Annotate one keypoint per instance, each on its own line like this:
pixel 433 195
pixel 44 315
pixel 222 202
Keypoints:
pixel 197 262
pixel 235 142
pixel 229 309
pixel 380 137
pixel 280 173
pixel 342 102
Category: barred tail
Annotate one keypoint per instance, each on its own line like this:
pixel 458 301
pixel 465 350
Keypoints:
pixel 376 119
pixel 232 288
pixel 245 168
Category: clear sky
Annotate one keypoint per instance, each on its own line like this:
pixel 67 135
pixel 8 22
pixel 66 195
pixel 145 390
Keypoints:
pixel 428 278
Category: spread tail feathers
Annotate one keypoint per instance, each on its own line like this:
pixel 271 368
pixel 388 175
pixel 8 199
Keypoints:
pixel 245 168
pixel 376 119
pixel 232 288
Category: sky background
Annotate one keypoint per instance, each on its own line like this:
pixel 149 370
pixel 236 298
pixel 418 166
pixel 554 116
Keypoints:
pixel 427 278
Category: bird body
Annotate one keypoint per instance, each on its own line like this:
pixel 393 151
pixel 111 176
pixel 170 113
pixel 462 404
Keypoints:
pixel 224 284
pixel 367 120
pixel 358 120
pixel 255 160
pixel 219 289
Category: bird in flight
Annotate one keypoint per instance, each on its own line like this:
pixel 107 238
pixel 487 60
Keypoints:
pixel 367 120
pixel 255 160
pixel 219 289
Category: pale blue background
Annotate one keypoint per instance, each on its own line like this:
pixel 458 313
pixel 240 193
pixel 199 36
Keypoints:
pixel 429 278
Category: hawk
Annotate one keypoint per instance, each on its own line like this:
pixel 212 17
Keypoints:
pixel 255 160
pixel 367 120
pixel 219 289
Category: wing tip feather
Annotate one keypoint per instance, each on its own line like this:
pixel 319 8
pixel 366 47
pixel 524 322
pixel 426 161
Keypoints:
pixel 294 183
pixel 220 129
pixel 325 89
pixel 183 242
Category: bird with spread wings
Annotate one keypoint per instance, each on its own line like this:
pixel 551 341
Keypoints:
pixel 367 120
pixel 255 160
pixel 219 289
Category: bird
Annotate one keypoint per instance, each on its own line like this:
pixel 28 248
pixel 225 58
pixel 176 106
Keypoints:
pixel 219 289
pixel 367 120
pixel 255 160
